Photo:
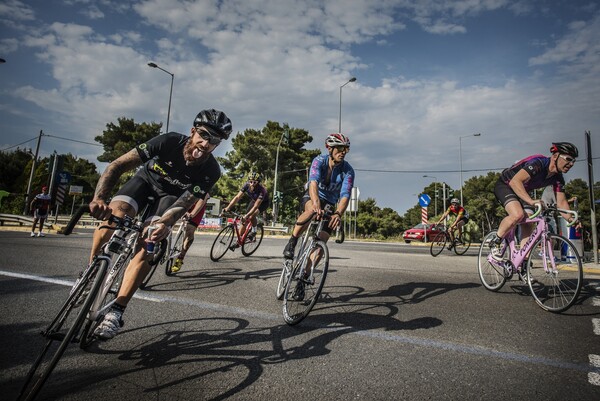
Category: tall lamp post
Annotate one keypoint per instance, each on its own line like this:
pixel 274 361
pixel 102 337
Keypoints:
pixel 275 203
pixel 436 192
pixel 353 79
pixel 460 158
pixel 154 65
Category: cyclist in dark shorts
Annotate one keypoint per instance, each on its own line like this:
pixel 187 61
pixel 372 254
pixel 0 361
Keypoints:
pixel 259 201
pixel 177 170
pixel 193 216
pixel 533 172
pixel 330 182
pixel 462 218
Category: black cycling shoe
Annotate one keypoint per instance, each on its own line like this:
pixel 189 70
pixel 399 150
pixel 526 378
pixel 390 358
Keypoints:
pixel 288 251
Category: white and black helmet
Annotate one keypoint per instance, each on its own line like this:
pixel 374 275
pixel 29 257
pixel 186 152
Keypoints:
pixel 455 200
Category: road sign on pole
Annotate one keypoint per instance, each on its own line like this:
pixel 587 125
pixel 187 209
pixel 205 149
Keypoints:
pixel 424 200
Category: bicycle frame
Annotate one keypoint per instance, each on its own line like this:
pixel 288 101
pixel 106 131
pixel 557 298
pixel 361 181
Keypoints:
pixel 240 236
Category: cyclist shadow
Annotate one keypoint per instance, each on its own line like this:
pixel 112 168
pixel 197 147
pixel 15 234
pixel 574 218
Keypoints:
pixel 204 351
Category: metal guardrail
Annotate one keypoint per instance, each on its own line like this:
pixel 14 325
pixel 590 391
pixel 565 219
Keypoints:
pixel 281 229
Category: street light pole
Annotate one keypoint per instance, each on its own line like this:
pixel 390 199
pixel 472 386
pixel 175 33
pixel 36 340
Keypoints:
pixel 353 79
pixel 436 192
pixel 33 166
pixel 460 158
pixel 154 65
pixel 275 204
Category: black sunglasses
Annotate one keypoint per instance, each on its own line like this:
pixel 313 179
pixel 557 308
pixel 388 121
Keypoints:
pixel 207 136
pixel 342 148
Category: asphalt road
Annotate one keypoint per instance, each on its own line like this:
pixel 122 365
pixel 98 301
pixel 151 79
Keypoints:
pixel 394 324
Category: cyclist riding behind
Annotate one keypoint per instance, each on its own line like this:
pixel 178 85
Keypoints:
pixel 533 172
pixel 193 216
pixel 462 218
pixel 177 170
pixel 330 182
pixel 259 201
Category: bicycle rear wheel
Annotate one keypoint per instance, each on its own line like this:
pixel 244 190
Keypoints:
pixel 175 248
pixel 491 273
pixel 222 243
pixel 461 246
pixel 250 246
pixel 295 306
pixel 438 244
pixel 43 367
pixel 554 273
pixel 284 277
pixel 160 250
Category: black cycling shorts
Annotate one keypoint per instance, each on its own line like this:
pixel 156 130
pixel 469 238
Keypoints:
pixel 263 205
pixel 324 203
pixel 137 192
pixel 505 195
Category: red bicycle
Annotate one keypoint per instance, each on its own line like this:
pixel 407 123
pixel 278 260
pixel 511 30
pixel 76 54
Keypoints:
pixel 247 240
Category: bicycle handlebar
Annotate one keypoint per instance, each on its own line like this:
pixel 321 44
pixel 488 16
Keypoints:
pixel 554 208
pixel 126 222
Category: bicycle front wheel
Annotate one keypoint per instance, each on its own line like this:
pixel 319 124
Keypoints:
pixel 284 277
pixel 461 246
pixel 251 245
pixel 491 273
pixel 222 243
pixel 302 293
pixel 554 273
pixel 438 244
pixel 174 249
pixel 43 367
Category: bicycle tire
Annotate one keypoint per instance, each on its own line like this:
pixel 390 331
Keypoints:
pixel 154 261
pixel 250 247
pixel 175 248
pixel 295 310
pixel 492 275
pixel 340 234
pixel 222 243
pixel 52 331
pixel 460 248
pixel 283 278
pixel 110 290
pixel 438 244
pixel 557 289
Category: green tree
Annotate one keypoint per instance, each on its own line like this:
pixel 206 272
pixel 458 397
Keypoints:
pixel 484 210
pixel 256 150
pixel 121 138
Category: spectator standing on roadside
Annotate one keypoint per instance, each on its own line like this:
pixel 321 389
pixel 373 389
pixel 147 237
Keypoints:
pixel 40 205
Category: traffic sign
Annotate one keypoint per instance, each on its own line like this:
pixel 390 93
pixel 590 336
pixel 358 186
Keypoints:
pixel 64 177
pixel 424 200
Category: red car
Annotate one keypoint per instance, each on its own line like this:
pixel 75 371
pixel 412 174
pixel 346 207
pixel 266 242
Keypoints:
pixel 417 233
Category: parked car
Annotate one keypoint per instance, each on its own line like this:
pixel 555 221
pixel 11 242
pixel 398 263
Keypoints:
pixel 417 233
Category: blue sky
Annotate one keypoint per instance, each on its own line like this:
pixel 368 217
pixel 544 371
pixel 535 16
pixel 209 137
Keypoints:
pixel 522 73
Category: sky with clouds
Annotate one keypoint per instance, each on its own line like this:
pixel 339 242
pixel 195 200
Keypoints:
pixel 430 74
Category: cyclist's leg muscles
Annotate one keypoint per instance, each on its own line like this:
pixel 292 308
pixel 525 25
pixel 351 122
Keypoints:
pixel 188 239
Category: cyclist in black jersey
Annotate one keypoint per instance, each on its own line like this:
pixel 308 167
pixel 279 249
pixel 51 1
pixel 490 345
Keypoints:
pixel 533 172
pixel 177 170
pixel 259 201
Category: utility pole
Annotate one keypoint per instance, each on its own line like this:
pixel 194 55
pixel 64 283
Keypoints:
pixel 33 166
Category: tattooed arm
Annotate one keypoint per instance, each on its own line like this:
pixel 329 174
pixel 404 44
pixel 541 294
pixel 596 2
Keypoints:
pixel 98 207
pixel 172 215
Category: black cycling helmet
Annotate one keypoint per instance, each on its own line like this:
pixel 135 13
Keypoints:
pixel 215 121
pixel 565 148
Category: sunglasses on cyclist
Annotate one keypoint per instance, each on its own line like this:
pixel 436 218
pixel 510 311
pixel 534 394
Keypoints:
pixel 568 159
pixel 341 148
pixel 252 182
pixel 207 136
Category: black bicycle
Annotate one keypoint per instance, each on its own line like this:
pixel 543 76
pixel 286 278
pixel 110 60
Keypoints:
pixel 460 244
pixel 304 276
pixel 90 298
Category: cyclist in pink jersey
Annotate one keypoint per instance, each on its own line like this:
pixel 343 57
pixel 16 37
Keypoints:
pixel 533 172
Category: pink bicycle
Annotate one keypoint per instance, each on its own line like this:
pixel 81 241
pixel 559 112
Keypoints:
pixel 548 263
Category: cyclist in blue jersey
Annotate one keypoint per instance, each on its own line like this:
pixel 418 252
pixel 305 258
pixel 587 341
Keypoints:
pixel 259 201
pixel 330 182
pixel 177 171
pixel 533 172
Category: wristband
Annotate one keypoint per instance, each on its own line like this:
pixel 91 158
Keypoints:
pixel 338 213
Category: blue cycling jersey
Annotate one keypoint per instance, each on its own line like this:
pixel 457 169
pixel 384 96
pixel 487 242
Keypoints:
pixel 340 182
